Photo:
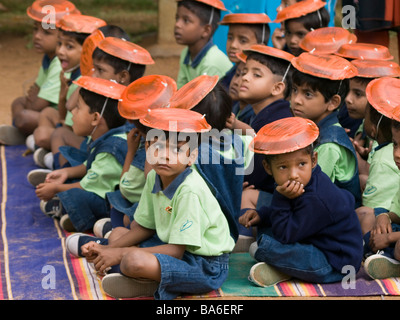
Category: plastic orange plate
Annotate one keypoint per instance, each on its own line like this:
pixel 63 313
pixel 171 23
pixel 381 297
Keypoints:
pixel 299 9
pixel 269 51
pixel 61 8
pixel 376 68
pixel 245 18
pixel 80 23
pixel 364 51
pixel 107 88
pixel 89 45
pixel 218 4
pixel 384 94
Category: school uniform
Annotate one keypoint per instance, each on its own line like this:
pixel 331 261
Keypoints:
pixel 48 80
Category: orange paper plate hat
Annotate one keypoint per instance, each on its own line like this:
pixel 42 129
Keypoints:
pixel 245 18
pixel 89 45
pixel 269 51
pixel 60 7
pixel 147 92
pixel 218 4
pixel 107 88
pixel 326 40
pixel 126 50
pixel 190 94
pixel 80 23
pixel 175 120
pixel 299 9
pixel 284 135
pixel 396 113
pixel 376 68
pixel 364 51
pixel 384 94
pixel 325 66
pixel 241 56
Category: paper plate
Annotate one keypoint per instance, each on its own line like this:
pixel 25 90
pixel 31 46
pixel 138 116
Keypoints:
pixel 366 51
pixel 175 120
pixel 213 3
pixel 147 92
pixel 376 68
pixel 325 66
pixel 384 94
pixel 126 50
pixel 241 56
pixel 191 93
pixel 396 113
pixel 80 23
pixel 107 88
pixel 299 9
pixel 269 51
pixel 245 18
pixel 61 8
pixel 326 40
pixel 89 45
pixel 285 135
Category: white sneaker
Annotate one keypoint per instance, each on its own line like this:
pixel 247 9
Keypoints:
pixel 48 160
pixel 119 286
pixel 30 142
pixel 102 227
pixel 37 176
pixel 264 275
pixel 11 136
pixel 379 266
pixel 38 157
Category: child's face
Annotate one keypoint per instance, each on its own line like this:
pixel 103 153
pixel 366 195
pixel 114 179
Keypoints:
pixel 396 146
pixel 257 82
pixel 309 104
pixel 369 127
pixel 82 119
pixel 103 70
pixel 294 33
pixel 293 166
pixel 356 99
pixel 239 38
pixel 68 51
pixel 236 81
pixel 188 28
pixel 44 40
pixel 169 158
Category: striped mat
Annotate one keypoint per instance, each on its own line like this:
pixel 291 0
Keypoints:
pixel 34 263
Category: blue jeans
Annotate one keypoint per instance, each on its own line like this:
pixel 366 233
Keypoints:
pixel 193 274
pixel 301 261
pixel 83 208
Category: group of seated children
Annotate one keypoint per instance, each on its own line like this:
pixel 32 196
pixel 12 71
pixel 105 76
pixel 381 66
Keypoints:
pixel 247 151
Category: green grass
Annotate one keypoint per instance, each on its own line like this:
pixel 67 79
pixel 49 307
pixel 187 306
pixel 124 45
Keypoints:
pixel 136 17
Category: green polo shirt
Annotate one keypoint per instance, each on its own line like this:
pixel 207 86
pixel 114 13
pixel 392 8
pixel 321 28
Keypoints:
pixel 132 183
pixel 48 80
pixel 185 213
pixel 104 174
pixel 395 205
pixel 383 179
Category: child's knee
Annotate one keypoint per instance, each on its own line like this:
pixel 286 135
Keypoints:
pixel 133 263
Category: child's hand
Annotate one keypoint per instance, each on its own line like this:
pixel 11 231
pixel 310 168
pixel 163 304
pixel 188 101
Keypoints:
pixel 246 185
pixel 291 189
pixel 278 38
pixel 379 241
pixel 133 140
pixel 45 191
pixel 358 144
pixel 63 86
pixel 57 176
pixel 230 122
pixel 382 225
pixel 105 257
pixel 249 218
pixel 87 252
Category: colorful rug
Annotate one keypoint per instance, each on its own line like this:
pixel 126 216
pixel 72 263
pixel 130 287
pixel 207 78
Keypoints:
pixel 34 263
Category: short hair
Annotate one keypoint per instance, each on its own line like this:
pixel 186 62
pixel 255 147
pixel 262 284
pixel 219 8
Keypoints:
pixel 96 102
pixel 216 106
pixel 384 122
pixel 78 36
pixel 395 124
pixel 258 31
pixel 327 87
pixel 313 20
pixel 362 80
pixel 278 67
pixel 135 70
pixel 114 31
pixel 309 150
pixel 203 11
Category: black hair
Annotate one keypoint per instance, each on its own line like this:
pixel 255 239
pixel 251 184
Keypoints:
pixel 384 122
pixel 203 11
pixel 362 80
pixel 258 31
pixel 96 102
pixel 114 31
pixel 313 20
pixel 136 71
pixel 216 106
pixel 78 36
pixel 309 150
pixel 327 87
pixel 277 66
pixel 395 124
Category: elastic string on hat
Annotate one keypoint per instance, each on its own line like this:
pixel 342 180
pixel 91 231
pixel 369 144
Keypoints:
pixel 101 115
pixel 286 72
pixel 377 127
pixel 263 34
pixel 129 67
pixel 320 18
pixel 340 85
pixel 212 15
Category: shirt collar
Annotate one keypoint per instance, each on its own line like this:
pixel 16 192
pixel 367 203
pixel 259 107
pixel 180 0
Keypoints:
pixel 171 189
pixel 199 56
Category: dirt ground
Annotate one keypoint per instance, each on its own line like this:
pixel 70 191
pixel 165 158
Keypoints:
pixel 19 66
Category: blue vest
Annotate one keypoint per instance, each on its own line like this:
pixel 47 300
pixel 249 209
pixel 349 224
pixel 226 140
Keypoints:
pixel 329 132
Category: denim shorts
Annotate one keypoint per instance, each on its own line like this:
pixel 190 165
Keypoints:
pixel 119 203
pixel 193 274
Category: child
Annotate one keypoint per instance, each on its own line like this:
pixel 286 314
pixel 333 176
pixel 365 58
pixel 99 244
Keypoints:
pixel 245 29
pixel 83 202
pixel 188 261
pixel 73 31
pixel 310 231
pixel 382 95
pixel 320 85
pixel 298 20
pixel 384 238
pixel 356 103
pixel 45 91
pixel 147 92
pixel 196 22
